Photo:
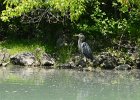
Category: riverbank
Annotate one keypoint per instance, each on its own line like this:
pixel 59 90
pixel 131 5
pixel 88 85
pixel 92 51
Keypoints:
pixel 103 60
pixel 64 54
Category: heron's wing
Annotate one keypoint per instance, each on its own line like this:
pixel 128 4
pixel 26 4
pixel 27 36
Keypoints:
pixel 86 50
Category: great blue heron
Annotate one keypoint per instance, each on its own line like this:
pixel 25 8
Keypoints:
pixel 84 47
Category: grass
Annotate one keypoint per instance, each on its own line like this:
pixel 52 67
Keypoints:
pixel 65 53
pixel 15 46
pixel 18 46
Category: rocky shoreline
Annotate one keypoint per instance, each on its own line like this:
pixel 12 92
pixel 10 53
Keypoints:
pixel 104 60
pixel 26 59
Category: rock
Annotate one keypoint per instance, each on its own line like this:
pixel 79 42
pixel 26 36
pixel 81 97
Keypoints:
pixel 138 63
pixel 123 67
pixel 91 69
pixel 25 59
pixel 106 60
pixel 1 56
pixel 81 63
pixel 47 60
pixel 4 58
pixel 69 65
pixel 5 64
pixel 76 59
pixel 65 66
pixel 36 63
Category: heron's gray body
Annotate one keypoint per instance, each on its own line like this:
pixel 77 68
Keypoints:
pixel 84 48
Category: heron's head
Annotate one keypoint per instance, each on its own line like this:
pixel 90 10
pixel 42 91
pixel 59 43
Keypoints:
pixel 81 36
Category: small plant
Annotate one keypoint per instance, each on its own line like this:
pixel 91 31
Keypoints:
pixel 38 53
pixel 65 53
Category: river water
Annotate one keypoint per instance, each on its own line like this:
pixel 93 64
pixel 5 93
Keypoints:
pixel 51 84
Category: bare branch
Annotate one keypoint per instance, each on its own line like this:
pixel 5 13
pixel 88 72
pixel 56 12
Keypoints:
pixel 37 15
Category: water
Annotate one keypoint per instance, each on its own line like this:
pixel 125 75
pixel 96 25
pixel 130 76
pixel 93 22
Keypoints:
pixel 43 84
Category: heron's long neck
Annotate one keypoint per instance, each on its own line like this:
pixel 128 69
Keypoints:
pixel 79 43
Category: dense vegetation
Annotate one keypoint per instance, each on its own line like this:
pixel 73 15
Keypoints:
pixel 109 25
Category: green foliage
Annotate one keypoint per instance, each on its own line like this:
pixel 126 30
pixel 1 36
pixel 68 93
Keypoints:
pixel 134 22
pixel 105 26
pixel 99 22
pixel 16 8
pixel 96 19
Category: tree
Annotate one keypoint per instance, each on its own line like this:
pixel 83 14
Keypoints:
pixel 16 8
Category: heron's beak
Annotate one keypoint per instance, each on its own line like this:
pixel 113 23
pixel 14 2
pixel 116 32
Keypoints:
pixel 76 35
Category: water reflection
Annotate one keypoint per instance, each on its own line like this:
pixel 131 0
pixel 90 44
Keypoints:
pixel 43 84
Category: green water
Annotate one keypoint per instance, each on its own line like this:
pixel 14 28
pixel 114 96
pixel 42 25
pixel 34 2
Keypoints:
pixel 44 84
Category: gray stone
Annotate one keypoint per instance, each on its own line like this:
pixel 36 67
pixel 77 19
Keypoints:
pixel 1 56
pixel 65 66
pixel 5 64
pixel 81 63
pixel 106 60
pixel 4 58
pixel 47 60
pixel 25 59
pixel 123 67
